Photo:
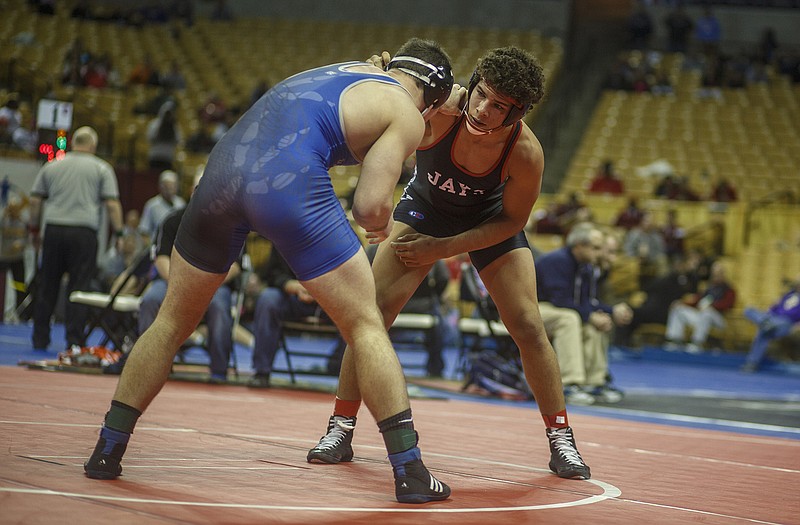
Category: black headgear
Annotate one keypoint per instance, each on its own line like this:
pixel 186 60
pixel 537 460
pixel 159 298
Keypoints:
pixel 514 113
pixel 437 83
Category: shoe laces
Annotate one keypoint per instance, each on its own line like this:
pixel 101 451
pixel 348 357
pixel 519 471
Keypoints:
pixel 561 440
pixel 338 427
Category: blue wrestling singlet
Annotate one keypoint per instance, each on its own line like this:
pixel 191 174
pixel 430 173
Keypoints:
pixel 269 174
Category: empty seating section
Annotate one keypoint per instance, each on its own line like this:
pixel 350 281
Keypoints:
pixel 748 136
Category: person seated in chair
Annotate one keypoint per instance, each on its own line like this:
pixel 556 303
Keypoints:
pixel 283 298
pixel 781 319
pixel 218 317
pixel 700 312
pixel 660 294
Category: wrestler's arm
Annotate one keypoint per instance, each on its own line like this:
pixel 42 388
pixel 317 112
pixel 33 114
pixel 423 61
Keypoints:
pixel 380 170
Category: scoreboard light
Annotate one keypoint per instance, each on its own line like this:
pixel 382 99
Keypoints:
pixel 55 151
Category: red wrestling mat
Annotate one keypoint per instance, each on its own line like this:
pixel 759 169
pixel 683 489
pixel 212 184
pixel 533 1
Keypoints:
pixel 206 454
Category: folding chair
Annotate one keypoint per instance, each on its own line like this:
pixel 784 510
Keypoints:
pixel 412 324
pixel 476 331
pixel 317 327
pixel 114 313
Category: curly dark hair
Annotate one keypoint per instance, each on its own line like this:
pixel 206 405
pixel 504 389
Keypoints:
pixel 513 72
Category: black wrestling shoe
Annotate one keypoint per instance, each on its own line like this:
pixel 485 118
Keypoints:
pixel 335 446
pixel 104 462
pixel 565 460
pixel 414 484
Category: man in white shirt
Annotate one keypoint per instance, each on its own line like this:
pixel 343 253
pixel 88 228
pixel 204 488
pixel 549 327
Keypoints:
pixel 158 207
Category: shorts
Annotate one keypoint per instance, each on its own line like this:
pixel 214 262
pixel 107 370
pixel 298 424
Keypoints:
pixel 425 219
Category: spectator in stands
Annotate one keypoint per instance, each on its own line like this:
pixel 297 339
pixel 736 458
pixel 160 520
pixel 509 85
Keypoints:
pixel 173 80
pixel 144 73
pixel 708 32
pixel 662 84
pixel 676 188
pixel 546 221
pixel 163 137
pixel 606 181
pixel 700 312
pixel 660 294
pixel 646 243
pixel 631 216
pixel 12 130
pixel 667 188
pixel 723 192
pixel 213 110
pixel 780 320
pixel 674 235
pixel 767 46
pixel 103 73
pixel 566 279
pixel 640 28
pixel 679 29
pixel 573 211
pixel 218 316
pixel 157 208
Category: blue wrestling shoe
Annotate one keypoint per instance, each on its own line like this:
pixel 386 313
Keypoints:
pixel 413 483
pixel 104 462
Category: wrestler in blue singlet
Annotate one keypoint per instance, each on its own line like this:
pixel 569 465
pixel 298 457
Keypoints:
pixel 443 199
pixel 269 174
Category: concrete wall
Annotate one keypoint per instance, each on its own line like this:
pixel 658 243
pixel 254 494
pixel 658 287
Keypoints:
pixel 740 25
pixel 548 16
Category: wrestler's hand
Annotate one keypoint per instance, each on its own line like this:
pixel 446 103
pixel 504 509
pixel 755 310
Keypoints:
pixel 381 60
pixel 378 236
pixel 416 249
pixel 455 103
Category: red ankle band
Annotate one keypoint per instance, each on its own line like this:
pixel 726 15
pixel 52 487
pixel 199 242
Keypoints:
pixel 345 407
pixel 557 420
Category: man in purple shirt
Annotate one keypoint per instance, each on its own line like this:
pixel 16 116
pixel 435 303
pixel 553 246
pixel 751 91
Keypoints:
pixel 781 318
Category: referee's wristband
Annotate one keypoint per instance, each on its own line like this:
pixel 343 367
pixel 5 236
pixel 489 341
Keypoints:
pixel 119 233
